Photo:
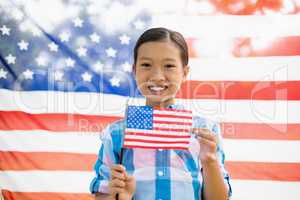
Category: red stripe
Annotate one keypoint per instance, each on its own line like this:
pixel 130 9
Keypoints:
pixel 46 161
pixel 168 122
pixel 8 195
pixel 261 131
pixel 154 147
pixel 264 171
pixel 173 110
pixel 85 162
pixel 17 120
pixel 246 90
pixel 172 116
pixel 155 142
pixel 281 46
pixel 157 135
pixel 171 130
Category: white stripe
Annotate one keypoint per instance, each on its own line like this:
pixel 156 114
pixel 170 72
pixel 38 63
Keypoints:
pixel 161 139
pixel 255 111
pixel 235 26
pixel 235 150
pixel 173 119
pixel 262 151
pixel 277 68
pixel 44 141
pixel 252 111
pixel 132 130
pixel 158 145
pixel 165 112
pixel 262 190
pixel 170 126
pixel 46 181
pixel 64 102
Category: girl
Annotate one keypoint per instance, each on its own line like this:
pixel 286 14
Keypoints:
pixel 160 66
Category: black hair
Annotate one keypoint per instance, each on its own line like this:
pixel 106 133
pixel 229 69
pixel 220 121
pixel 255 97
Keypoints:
pixel 163 34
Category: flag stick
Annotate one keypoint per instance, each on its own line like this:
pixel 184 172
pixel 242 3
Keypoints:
pixel 122 149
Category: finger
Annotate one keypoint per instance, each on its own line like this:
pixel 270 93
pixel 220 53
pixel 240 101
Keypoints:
pixel 119 168
pixel 117 175
pixel 205 133
pixel 115 190
pixel 129 178
pixel 207 142
pixel 118 183
pixel 200 130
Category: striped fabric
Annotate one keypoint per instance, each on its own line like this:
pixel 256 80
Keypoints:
pixel 244 74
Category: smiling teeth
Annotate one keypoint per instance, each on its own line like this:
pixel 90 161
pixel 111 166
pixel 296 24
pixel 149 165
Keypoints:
pixel 157 88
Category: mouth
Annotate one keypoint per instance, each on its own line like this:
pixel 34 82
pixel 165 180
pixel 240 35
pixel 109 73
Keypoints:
pixel 157 90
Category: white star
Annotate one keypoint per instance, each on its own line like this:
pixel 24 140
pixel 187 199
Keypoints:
pixel 70 62
pixel 139 25
pixel 58 75
pixel 5 30
pixel 98 66
pixel 86 77
pixel 64 37
pixel 41 61
pixel 81 51
pixel 28 74
pixel 23 45
pixel 78 22
pixel 11 59
pixel 53 47
pixel 115 81
pixel 3 74
pixel 124 39
pixel 95 37
pixel 111 52
pixel 126 67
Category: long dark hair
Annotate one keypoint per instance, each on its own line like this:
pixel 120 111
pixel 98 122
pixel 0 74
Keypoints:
pixel 163 34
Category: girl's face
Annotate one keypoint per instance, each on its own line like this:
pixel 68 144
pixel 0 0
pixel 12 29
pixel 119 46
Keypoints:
pixel 159 72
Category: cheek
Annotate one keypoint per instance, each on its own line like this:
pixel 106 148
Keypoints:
pixel 141 80
pixel 176 79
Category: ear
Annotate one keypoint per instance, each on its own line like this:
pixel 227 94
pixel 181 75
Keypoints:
pixel 186 70
pixel 133 71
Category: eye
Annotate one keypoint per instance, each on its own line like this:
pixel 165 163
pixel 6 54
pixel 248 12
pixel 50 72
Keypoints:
pixel 145 65
pixel 170 66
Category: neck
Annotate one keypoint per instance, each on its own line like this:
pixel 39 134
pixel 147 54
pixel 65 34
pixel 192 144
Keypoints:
pixel 162 104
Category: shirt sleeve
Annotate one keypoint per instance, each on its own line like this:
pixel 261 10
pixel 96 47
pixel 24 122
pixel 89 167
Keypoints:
pixel 216 129
pixel 106 158
pixel 200 122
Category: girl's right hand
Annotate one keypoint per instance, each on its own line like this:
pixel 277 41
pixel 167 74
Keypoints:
pixel 121 183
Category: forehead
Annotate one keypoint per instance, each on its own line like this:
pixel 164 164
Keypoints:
pixel 159 50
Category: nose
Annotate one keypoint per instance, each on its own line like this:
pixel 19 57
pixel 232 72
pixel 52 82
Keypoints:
pixel 157 75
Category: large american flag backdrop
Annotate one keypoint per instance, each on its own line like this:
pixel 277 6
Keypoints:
pixel 65 73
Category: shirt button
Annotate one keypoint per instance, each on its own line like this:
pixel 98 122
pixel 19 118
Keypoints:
pixel 160 173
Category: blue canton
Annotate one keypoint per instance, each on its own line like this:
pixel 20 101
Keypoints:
pixel 140 117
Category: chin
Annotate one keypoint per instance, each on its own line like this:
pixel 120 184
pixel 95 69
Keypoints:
pixel 157 100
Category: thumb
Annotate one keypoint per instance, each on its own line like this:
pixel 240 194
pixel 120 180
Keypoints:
pixel 130 178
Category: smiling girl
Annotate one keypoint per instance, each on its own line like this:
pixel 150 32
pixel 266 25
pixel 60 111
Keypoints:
pixel 160 67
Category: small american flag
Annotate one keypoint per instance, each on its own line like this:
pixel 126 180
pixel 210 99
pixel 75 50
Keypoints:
pixel 161 128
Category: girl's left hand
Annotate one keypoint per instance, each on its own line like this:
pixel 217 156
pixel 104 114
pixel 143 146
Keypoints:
pixel 208 145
